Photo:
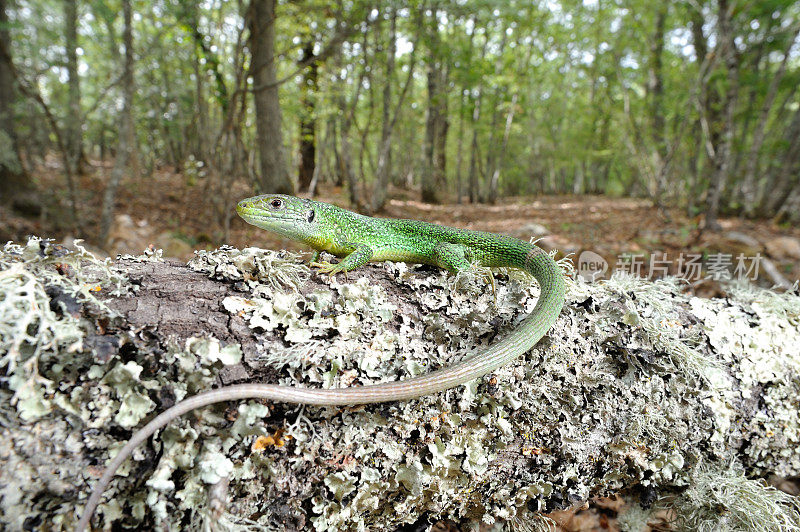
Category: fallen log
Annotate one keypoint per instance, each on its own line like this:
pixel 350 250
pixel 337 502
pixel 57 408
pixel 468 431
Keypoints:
pixel 640 388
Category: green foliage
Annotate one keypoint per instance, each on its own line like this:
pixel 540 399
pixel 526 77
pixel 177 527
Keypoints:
pixel 596 109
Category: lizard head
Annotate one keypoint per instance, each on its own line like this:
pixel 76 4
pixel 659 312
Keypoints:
pixel 299 219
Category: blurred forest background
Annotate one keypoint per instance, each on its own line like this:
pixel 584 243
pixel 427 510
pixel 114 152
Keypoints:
pixel 606 120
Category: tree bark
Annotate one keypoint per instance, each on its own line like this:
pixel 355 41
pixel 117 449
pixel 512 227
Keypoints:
pixel 474 191
pixel 124 145
pixel 492 151
pixel 16 182
pixel 308 120
pixel 347 117
pixel 433 175
pixel 460 149
pixel 724 150
pixel 655 89
pixel 274 176
pixel 74 123
pixel 749 188
pixel 383 170
pixel 380 190
pixel 428 183
pixel 782 177
pixel 494 181
pixel 638 404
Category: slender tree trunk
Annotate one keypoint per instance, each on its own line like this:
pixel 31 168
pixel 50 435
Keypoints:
pixel 346 162
pixel 364 132
pixel 427 178
pixel 390 119
pixel 474 191
pixel 473 155
pixel 779 182
pixel 274 176
pixel 321 152
pixel 759 135
pixel 440 159
pixel 74 129
pixel 655 89
pixel 125 147
pixel 494 181
pixel 384 151
pixel 347 117
pixel 724 150
pixel 16 183
pixel 308 120
pixel 432 177
pixel 492 151
pixel 201 119
pixel 706 107
pixel 460 149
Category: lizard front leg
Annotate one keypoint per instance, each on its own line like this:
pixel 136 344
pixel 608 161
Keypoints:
pixel 358 257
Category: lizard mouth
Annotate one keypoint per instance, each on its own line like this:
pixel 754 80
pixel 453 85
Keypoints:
pixel 253 217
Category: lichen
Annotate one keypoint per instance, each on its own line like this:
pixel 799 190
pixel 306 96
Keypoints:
pixel 637 384
pixel 722 498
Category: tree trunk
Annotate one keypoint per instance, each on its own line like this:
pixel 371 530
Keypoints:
pixel 655 89
pixel 460 149
pixel 16 182
pixel 782 176
pixel 442 128
pixel 274 176
pixel 433 175
pixel 308 120
pixel 706 107
pixel 749 192
pixel 390 120
pixel 474 191
pixel 380 189
pixel 73 130
pixel 492 151
pixel 124 147
pixel 724 150
pixel 347 117
pixel 428 182
pixel 494 181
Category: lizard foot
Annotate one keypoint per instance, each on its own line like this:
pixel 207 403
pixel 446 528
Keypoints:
pixel 329 268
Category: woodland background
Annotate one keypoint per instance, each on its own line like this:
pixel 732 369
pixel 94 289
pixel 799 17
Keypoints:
pixel 609 121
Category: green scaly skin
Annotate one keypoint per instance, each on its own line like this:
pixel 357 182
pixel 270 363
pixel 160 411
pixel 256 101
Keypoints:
pixel 357 240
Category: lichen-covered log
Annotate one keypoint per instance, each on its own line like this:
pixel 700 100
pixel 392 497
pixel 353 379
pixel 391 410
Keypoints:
pixel 639 387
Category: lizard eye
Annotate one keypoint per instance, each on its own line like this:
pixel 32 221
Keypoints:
pixel 311 216
pixel 276 203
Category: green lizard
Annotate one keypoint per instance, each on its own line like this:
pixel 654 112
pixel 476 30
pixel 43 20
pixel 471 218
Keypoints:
pixel 357 240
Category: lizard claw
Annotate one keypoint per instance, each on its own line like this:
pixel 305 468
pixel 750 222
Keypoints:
pixel 330 269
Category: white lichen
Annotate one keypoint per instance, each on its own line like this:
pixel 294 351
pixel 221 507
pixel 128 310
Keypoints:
pixel 636 384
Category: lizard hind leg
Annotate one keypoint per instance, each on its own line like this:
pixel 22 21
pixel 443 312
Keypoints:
pixel 457 258
pixel 452 257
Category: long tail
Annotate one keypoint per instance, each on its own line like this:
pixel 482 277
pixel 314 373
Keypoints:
pixel 537 262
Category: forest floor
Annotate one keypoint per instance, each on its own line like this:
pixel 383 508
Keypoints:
pixel 170 211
